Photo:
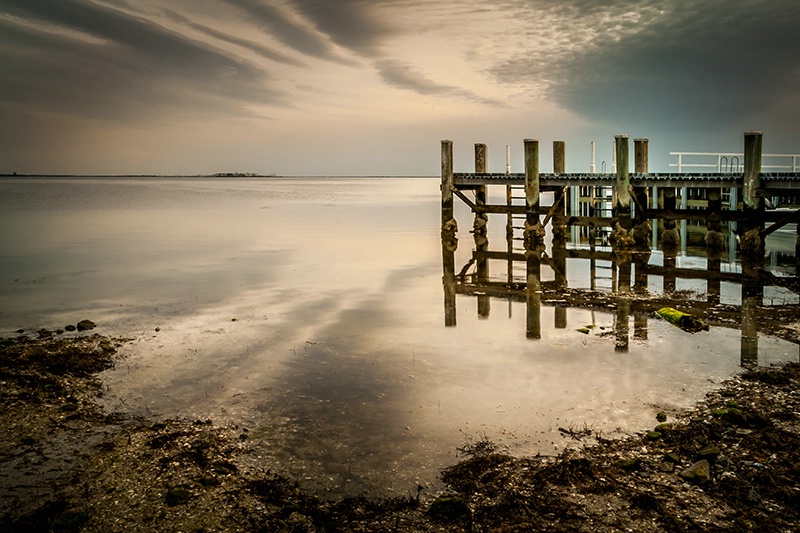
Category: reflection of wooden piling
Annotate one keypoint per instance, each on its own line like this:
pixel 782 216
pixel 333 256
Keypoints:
pixel 533 323
pixel 670 236
pixel 714 264
pixel 752 297
pixel 714 240
pixel 449 284
pixel 621 327
pixel 670 277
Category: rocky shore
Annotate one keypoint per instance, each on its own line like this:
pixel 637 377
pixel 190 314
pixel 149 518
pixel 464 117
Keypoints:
pixel 66 465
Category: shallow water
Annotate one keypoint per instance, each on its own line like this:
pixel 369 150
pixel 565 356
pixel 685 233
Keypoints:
pixel 310 312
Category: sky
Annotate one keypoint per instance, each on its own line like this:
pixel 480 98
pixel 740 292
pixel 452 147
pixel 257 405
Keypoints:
pixel 371 87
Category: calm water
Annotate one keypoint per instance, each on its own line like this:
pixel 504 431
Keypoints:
pixel 310 312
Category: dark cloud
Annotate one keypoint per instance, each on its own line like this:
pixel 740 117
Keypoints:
pixel 404 76
pixel 283 26
pixel 125 66
pixel 683 63
pixel 352 24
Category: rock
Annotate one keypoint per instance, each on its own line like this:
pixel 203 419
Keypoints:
pixel 709 451
pixel 448 508
pixel 652 435
pixel 628 464
pixel 69 328
pixel 699 472
pixel 85 325
pixel 667 467
pixel 45 333
pixel 661 416
pixel 177 495
pixel 672 457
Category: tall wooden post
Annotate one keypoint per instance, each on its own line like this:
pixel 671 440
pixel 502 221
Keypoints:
pixel 449 240
pixel 532 181
pixel 559 220
pixel 642 231
pixel 753 205
pixel 534 232
pixel 480 230
pixel 622 207
pixel 447 182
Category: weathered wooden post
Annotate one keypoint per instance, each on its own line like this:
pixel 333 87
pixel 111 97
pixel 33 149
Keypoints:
pixel 714 285
pixel 449 240
pixel 534 231
pixel 560 214
pixel 622 208
pixel 753 204
pixel 642 229
pixel 481 219
pixel 480 229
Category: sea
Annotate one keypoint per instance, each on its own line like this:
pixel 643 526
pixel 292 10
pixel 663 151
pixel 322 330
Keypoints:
pixel 310 313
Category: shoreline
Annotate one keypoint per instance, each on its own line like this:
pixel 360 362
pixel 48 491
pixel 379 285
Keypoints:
pixel 733 461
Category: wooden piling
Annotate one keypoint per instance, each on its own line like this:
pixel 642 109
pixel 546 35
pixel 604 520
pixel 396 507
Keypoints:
pixel 622 207
pixel 562 197
pixel 447 183
pixel 751 243
pixel 480 230
pixel 534 231
pixel 642 231
pixel 532 181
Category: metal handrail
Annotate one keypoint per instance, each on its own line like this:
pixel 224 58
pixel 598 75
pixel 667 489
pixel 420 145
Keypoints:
pixel 729 163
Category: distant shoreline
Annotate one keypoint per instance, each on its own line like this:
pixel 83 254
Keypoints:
pixel 217 175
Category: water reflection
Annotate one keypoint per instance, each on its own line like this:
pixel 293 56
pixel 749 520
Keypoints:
pixel 633 292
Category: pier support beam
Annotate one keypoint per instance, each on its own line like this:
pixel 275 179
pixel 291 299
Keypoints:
pixel 560 215
pixel 449 224
pixel 479 232
pixel 753 204
pixel 641 228
pixel 534 231
pixel 622 234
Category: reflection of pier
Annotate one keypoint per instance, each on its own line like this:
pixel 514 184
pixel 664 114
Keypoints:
pixel 629 296
pixel 637 200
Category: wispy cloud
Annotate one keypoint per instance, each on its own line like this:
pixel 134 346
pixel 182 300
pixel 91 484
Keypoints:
pixel 130 66
pixel 404 76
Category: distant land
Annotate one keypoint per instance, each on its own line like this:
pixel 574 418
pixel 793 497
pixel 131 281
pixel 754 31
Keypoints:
pixel 215 175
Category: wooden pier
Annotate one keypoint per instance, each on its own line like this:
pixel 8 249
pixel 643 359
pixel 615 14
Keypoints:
pixel 638 198
pixel 640 201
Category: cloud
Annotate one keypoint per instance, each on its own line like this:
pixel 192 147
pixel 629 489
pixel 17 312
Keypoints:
pixel 684 63
pixel 263 51
pixel 76 57
pixel 404 76
pixel 352 24
pixel 285 26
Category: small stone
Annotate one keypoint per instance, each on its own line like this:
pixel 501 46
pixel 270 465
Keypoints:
pixel 652 435
pixel 177 495
pixel 672 457
pixel 628 464
pixel 699 472
pixel 69 327
pixel 709 451
pixel 666 467
pixel 661 416
pixel 85 325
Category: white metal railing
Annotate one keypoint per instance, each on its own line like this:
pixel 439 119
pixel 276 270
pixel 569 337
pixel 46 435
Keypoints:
pixel 734 162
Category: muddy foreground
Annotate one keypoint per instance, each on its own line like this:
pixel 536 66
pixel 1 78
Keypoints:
pixel 732 463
